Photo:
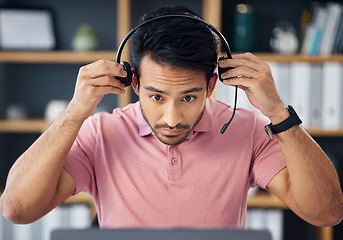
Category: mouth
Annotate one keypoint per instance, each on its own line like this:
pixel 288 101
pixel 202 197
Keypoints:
pixel 171 132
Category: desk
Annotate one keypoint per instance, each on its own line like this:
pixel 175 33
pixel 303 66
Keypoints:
pixel 259 200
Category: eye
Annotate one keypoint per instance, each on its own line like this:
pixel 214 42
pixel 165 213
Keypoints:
pixel 188 98
pixel 157 98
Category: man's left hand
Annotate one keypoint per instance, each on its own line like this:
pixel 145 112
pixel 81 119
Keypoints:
pixel 254 76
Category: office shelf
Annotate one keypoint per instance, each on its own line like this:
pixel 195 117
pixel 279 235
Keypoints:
pixel 23 126
pixel 58 57
pixel 40 125
pixel 55 56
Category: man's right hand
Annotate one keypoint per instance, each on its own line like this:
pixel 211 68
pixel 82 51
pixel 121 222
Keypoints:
pixel 37 182
pixel 93 82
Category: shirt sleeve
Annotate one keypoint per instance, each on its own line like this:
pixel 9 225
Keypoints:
pixel 268 159
pixel 79 163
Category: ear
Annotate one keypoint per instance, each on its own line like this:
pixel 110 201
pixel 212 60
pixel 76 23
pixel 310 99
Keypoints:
pixel 212 84
pixel 134 82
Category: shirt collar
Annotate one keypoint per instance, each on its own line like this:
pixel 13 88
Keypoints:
pixel 204 125
pixel 143 127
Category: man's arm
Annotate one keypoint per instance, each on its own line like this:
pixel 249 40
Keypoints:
pixel 37 177
pixel 309 184
pixel 37 182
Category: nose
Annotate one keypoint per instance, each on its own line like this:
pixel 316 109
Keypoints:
pixel 172 114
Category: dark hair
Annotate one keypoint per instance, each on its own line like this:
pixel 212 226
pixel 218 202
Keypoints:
pixel 178 42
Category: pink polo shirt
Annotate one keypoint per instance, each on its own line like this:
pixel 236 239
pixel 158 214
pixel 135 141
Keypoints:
pixel 137 181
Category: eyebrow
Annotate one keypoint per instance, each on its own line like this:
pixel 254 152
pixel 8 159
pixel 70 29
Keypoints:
pixel 192 90
pixel 152 89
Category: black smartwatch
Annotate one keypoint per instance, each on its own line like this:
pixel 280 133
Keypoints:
pixel 292 120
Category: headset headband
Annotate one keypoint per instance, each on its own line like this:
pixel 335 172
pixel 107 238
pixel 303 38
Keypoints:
pixel 133 30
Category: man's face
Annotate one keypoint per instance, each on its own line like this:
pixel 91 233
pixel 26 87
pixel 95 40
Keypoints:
pixel 172 99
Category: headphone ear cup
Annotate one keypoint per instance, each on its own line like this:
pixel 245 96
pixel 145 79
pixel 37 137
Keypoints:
pixel 128 79
pixel 222 70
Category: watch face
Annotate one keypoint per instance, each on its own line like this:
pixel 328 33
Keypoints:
pixel 293 113
pixel 269 131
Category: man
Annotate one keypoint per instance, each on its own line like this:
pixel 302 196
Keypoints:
pixel 162 162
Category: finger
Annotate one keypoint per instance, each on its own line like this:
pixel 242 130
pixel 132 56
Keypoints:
pixel 238 81
pixel 103 67
pixel 96 91
pixel 243 60
pixel 107 81
pixel 103 90
pixel 91 87
pixel 251 57
pixel 242 71
pixel 100 82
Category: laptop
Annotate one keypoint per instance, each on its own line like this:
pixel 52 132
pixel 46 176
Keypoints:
pixel 160 234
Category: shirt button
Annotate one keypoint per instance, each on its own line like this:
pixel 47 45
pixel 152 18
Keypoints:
pixel 174 161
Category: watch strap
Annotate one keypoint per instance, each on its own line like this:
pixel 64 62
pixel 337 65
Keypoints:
pixel 292 120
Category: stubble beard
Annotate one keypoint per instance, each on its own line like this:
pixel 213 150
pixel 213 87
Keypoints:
pixel 173 140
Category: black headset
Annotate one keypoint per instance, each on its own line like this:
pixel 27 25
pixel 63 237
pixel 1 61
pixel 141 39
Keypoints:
pixel 127 80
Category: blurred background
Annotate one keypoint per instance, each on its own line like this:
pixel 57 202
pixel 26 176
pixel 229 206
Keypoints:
pixel 53 39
